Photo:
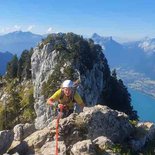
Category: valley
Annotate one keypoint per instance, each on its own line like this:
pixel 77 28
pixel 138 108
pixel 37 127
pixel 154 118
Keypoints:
pixel 138 81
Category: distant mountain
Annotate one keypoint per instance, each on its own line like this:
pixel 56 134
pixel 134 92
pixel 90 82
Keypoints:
pixel 148 45
pixel 111 49
pixel 18 41
pixel 4 59
pixel 137 55
pixel 144 54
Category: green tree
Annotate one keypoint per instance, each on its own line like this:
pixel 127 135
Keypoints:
pixel 117 97
pixel 27 112
pixel 12 67
pixel 24 65
pixel 13 105
pixel 2 116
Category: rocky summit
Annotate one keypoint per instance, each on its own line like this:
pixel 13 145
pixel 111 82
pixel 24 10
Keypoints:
pixel 66 56
pixel 96 130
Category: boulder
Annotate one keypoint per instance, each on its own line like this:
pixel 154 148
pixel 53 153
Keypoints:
pixel 94 123
pixel 103 121
pixel 84 147
pixel 144 132
pixel 6 138
pixel 103 143
pixel 49 148
pixel 21 131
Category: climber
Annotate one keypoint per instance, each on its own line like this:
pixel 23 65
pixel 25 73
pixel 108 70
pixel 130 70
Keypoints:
pixel 66 97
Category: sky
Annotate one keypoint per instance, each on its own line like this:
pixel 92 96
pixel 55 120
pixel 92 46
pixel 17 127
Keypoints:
pixel 122 19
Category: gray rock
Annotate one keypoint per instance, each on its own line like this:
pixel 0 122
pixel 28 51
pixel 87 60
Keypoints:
pixel 12 154
pixel 84 147
pixel 21 148
pixel 6 138
pixel 21 131
pixel 18 132
pixel 103 143
pixel 28 129
pixel 30 144
pixel 103 121
pixel 43 62
pixel 144 132
pixel 49 148
pixel 92 123
pixel 95 130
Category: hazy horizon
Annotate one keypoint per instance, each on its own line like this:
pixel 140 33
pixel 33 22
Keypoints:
pixel 118 39
pixel 124 20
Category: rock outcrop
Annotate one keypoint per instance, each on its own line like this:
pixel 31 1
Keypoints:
pixel 96 130
pixel 43 63
pixel 144 133
pixel 89 65
pixel 92 130
pixel 21 131
pixel 6 138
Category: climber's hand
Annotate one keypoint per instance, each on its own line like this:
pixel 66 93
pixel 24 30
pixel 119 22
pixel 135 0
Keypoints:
pixel 60 106
pixel 50 102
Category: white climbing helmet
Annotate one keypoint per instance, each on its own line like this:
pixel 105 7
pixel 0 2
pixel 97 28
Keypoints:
pixel 67 84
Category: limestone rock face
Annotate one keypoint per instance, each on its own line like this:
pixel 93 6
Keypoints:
pixel 43 62
pixel 90 68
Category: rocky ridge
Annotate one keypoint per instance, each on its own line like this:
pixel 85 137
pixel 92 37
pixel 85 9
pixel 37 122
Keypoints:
pixel 89 66
pixel 96 130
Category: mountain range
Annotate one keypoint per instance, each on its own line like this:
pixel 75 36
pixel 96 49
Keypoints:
pixel 137 55
pixel 16 42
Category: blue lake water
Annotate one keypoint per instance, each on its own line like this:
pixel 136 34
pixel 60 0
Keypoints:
pixel 144 105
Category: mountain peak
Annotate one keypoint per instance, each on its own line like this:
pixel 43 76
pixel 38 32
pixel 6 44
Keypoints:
pixel 21 33
pixel 17 41
pixel 17 32
pixel 98 37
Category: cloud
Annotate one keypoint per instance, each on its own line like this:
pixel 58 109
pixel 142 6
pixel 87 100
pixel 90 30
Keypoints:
pixel 8 29
pixel 16 28
pixel 30 27
pixel 49 30
pixel 5 30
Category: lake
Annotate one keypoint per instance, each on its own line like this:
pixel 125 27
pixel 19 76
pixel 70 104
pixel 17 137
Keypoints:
pixel 144 105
